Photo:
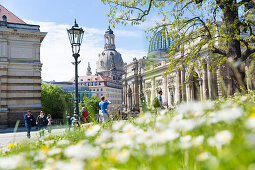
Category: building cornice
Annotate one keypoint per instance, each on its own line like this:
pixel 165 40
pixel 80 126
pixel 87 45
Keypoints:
pixel 22 33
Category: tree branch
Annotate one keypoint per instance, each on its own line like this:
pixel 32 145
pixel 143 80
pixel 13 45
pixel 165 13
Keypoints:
pixel 209 36
pixel 139 17
pixel 247 52
pixel 218 51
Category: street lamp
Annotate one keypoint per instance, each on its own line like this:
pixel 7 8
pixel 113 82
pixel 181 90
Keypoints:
pixel 75 35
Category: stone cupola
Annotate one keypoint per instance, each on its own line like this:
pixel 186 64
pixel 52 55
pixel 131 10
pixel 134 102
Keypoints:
pixel 109 39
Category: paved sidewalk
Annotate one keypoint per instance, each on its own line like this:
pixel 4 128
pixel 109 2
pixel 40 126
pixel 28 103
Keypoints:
pixel 7 136
pixel 23 129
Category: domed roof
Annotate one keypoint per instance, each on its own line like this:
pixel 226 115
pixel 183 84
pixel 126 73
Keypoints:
pixel 161 41
pixel 108 59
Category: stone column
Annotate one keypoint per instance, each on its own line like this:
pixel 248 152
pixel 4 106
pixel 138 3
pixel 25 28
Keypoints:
pixel 171 96
pixel 220 83
pixel 124 93
pixel 188 97
pixel 191 87
pixel 200 82
pixel 210 81
pixel 205 83
pixel 133 95
pixel 127 105
pixel 165 96
pixel 168 96
pixel 153 89
pixel 177 87
pixel 183 89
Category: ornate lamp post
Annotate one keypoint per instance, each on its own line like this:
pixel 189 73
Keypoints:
pixel 75 35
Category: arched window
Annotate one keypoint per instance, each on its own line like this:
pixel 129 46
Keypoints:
pixel 107 40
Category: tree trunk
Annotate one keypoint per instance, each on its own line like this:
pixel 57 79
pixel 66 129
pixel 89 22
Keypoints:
pixel 232 26
pixel 231 21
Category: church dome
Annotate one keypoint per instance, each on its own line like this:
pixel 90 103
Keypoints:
pixel 108 59
pixel 160 42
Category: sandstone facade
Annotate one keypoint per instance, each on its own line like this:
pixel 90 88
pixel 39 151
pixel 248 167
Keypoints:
pixel 20 69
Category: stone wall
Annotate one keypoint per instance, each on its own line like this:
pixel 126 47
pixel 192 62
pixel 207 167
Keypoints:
pixel 20 73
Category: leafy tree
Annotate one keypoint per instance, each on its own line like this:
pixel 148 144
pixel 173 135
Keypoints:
pixel 92 106
pixel 55 101
pixel 197 27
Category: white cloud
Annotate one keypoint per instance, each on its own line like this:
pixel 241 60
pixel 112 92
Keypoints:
pixel 56 53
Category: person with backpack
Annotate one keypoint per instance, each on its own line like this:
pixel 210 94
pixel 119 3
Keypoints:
pixel 160 99
pixel 41 122
pixel 29 122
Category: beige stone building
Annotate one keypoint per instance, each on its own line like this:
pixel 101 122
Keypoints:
pixel 20 68
pixel 99 85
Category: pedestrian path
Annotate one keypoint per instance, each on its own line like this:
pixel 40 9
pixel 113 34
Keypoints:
pixel 7 137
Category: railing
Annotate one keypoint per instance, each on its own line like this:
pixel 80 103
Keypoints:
pixel 113 116
pixel 57 122
pixel 123 115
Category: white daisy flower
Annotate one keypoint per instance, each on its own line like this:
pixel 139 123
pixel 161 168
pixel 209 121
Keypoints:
pixel 250 122
pixel 223 137
pixel 229 115
pixel 203 156
pixel 185 142
pixel 92 131
pixel 198 140
pixel 81 152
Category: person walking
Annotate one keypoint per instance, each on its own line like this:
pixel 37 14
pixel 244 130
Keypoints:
pixel 103 113
pixel 85 115
pixel 69 121
pixel 49 119
pixel 160 99
pixel 41 122
pixel 29 120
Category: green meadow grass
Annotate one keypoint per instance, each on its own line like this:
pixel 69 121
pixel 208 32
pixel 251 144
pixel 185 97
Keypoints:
pixel 195 135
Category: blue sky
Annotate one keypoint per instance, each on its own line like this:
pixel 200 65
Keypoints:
pixel 54 16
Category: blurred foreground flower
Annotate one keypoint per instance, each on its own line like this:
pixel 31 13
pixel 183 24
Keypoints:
pixel 11 145
pixel 203 156
pixel 250 123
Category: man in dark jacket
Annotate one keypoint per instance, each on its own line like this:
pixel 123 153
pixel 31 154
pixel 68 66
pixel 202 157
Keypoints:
pixel 41 122
pixel 28 122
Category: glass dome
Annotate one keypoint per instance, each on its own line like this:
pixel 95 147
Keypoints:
pixel 160 42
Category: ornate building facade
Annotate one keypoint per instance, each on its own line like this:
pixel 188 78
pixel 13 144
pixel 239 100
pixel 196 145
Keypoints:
pixel 145 77
pixel 20 68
